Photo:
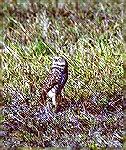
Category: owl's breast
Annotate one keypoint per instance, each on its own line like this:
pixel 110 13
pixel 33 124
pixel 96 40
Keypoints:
pixel 60 77
pixel 53 91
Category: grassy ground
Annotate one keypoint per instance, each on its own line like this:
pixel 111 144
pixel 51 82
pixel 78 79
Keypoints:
pixel 90 36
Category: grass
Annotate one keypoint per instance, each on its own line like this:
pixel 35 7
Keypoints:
pixel 89 37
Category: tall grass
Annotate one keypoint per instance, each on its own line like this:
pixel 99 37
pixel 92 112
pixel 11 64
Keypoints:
pixel 89 38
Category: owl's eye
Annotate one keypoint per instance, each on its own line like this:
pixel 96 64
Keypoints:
pixel 56 59
pixel 62 65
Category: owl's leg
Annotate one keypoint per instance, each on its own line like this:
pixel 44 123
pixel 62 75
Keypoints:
pixel 54 100
pixel 43 101
pixel 43 97
pixel 52 96
pixel 58 106
pixel 62 92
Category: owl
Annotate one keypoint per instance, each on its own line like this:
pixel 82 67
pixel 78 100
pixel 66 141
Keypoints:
pixel 55 81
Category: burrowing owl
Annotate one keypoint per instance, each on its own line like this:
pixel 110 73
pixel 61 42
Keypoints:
pixel 55 81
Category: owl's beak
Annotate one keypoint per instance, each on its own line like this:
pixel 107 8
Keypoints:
pixel 55 58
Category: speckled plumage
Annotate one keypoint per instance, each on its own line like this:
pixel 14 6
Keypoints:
pixel 55 81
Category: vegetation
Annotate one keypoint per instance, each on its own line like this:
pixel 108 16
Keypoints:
pixel 90 36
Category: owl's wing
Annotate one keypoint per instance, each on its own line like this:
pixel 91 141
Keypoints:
pixel 63 80
pixel 51 81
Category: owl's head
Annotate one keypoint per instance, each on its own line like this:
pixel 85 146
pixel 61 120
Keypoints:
pixel 59 62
